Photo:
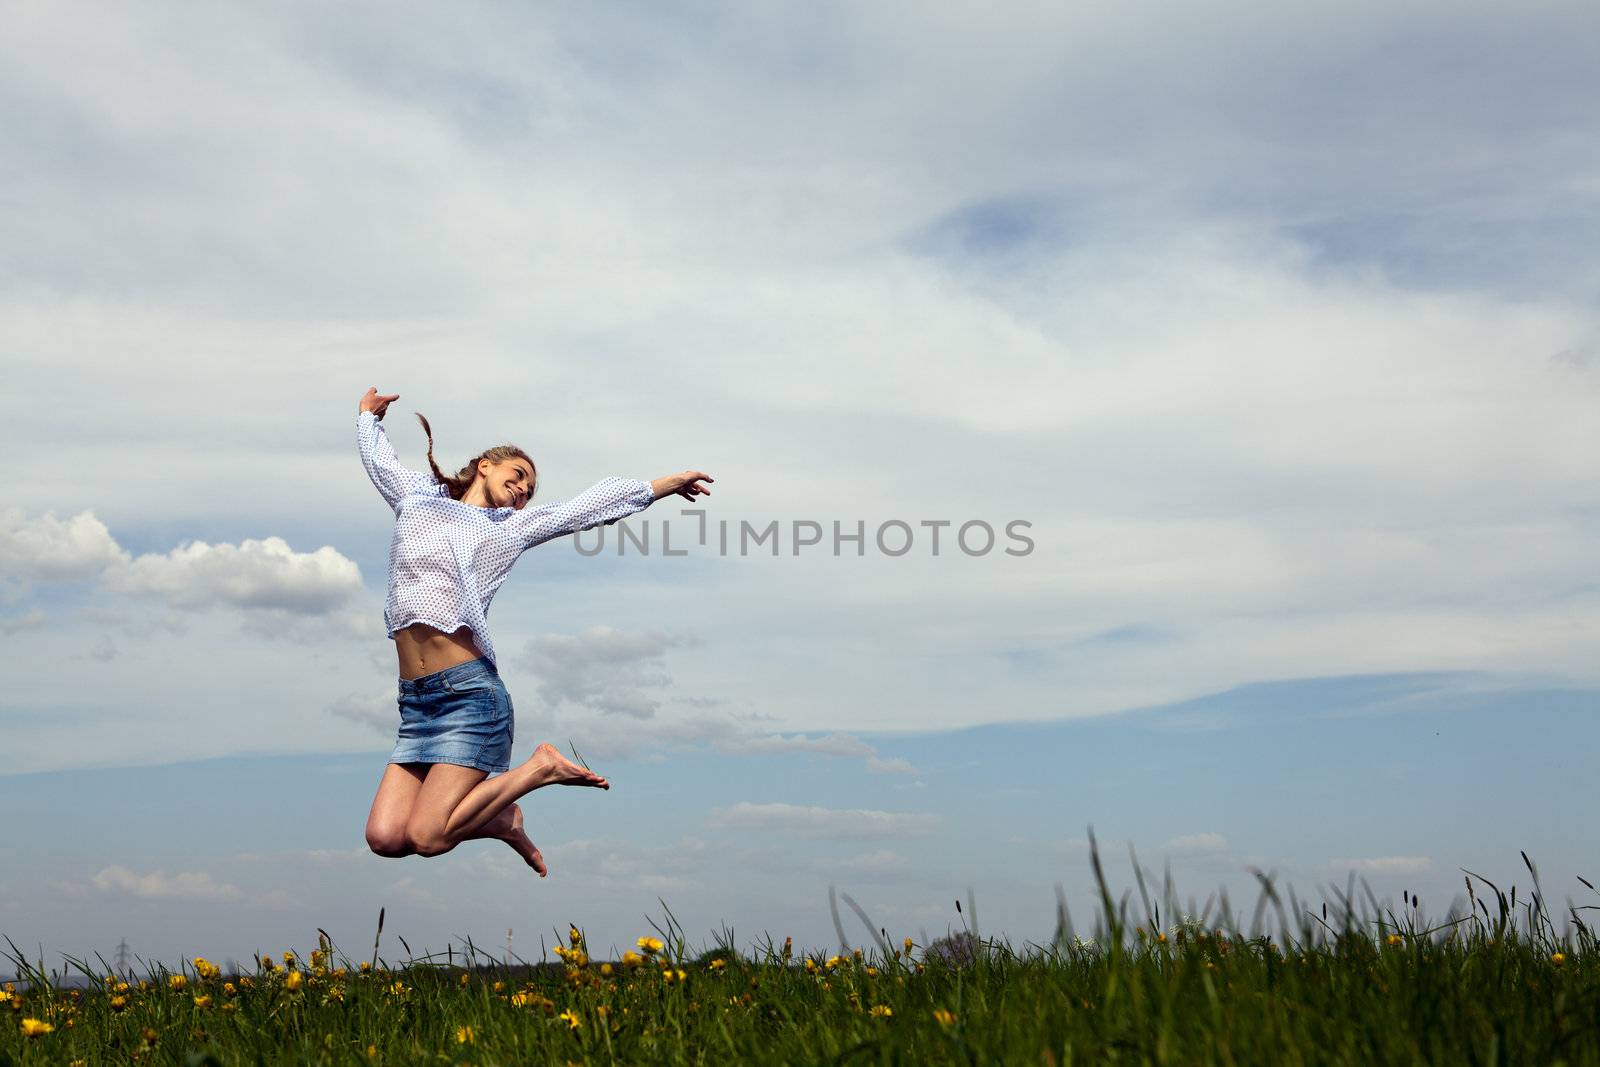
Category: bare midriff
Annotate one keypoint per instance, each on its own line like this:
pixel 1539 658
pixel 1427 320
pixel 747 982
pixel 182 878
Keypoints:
pixel 426 650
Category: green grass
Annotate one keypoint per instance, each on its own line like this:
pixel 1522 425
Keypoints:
pixel 1349 982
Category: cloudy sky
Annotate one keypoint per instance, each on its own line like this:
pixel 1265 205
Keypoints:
pixel 1270 334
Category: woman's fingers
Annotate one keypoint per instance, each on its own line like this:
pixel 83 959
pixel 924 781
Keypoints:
pixel 376 402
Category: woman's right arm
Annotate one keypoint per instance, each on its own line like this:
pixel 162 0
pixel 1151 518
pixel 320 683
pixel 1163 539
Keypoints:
pixel 378 456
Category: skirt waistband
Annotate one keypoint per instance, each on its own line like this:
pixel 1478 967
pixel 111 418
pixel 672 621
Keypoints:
pixel 438 679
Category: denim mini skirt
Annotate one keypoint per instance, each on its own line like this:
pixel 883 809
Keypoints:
pixel 459 715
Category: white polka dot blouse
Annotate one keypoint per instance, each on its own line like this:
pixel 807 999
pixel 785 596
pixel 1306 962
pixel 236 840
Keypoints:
pixel 447 559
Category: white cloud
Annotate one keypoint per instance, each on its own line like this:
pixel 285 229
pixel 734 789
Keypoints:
pixel 827 745
pixel 254 574
pixel 183 885
pixel 1196 844
pixel 893 765
pixel 276 590
pixel 604 669
pixel 821 822
pixel 1384 864
pixel 379 713
pixel 881 863
pixel 56 550
pixel 614 864
pixel 15 624
pixel 276 899
pixel 406 889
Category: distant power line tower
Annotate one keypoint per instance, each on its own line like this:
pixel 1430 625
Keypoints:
pixel 122 957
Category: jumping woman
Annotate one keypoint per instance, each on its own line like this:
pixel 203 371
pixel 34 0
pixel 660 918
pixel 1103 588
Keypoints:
pixel 455 539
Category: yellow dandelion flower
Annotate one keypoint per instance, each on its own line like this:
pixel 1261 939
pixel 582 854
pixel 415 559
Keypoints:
pixel 5 996
pixel 882 1011
pixel 464 1035
pixel 372 1052
pixel 833 961
pixel 118 1003
pixel 605 969
pixel 246 982
pixel 666 976
pixel 203 1001
pixel 288 957
pixel 683 976
pixel 365 969
pixel 77 1063
pixel 397 989
pixel 499 986
pixel 230 1007
pixel 718 964
pixel 521 1000
pixel 177 982
pixel 908 946
pixel 571 1018
pixel 292 980
pixel 631 959
pixel 944 1016
pixel 1161 939
pixel 1558 958
pixel 872 972
pixel 811 965
pixel 574 936
pixel 336 993
pixel 35 1028
pixel 1396 939
pixel 649 945
pixel 465 979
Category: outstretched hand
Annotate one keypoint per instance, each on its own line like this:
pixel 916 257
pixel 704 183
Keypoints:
pixel 685 485
pixel 376 403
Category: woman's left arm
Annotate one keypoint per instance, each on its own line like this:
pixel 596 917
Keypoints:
pixel 604 502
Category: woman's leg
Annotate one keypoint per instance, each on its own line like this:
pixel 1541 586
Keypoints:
pixel 442 791
pixel 483 801
pixel 391 809
pixel 388 824
pixel 456 804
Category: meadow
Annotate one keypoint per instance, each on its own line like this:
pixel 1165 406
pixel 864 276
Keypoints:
pixel 1347 981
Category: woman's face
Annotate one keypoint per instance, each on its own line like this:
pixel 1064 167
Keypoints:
pixel 508 483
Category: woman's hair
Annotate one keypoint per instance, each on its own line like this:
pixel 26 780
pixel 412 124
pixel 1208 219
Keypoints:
pixel 459 481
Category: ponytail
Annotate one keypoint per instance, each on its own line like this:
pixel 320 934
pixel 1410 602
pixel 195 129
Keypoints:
pixel 462 480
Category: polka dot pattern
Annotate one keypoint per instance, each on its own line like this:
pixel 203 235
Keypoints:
pixel 447 559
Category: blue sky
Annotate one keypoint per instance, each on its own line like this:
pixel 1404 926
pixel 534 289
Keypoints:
pixel 1276 328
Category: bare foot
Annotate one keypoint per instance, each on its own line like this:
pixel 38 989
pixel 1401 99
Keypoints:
pixel 559 770
pixel 507 827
